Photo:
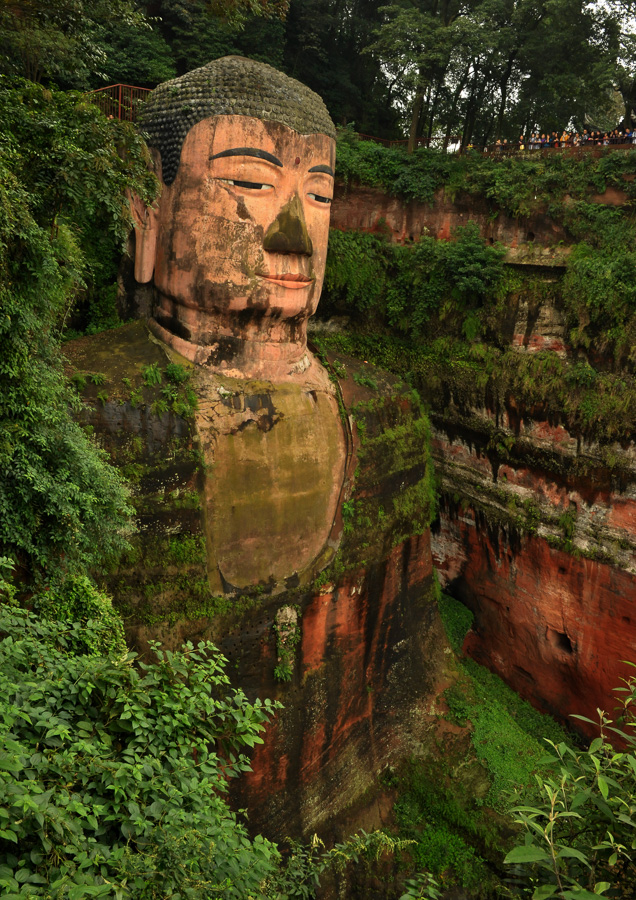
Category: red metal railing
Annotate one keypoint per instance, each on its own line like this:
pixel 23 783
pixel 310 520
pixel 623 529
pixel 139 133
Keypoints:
pixel 120 101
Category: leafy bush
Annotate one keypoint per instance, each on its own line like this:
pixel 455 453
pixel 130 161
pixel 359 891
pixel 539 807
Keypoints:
pixel 404 286
pixel 112 775
pixel 519 184
pixel 580 831
pixel 64 169
pixel 78 599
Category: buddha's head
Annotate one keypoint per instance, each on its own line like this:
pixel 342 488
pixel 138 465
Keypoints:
pixel 237 242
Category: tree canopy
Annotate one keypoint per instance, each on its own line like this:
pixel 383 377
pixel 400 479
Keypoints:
pixel 473 70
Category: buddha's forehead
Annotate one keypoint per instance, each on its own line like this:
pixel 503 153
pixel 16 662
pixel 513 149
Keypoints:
pixel 220 134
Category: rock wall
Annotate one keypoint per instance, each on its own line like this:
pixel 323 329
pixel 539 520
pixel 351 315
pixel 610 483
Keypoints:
pixel 537 524
pixel 544 557
pixel 353 651
pixel 370 209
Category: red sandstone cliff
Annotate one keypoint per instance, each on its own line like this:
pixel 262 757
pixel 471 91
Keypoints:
pixel 537 524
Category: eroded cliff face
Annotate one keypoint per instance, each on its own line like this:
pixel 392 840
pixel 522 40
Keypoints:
pixel 354 651
pixel 370 209
pixel 537 523
pixel 537 531
pixel 545 559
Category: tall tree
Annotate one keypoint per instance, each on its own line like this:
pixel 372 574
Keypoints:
pixel 325 40
pixel 489 68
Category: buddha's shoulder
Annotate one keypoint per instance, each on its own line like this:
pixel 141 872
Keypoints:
pixel 119 358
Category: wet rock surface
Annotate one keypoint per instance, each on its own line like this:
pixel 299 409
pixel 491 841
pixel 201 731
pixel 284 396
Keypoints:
pixel 357 667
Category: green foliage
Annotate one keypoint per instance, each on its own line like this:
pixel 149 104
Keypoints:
pixel 598 403
pixel 288 632
pixel 519 185
pixel 405 286
pixel 357 265
pixel 79 44
pixel 79 600
pixel 306 864
pixel 445 826
pixel 365 380
pixel 112 774
pixel 457 620
pixel 452 806
pixel 151 375
pixel 506 729
pixel 600 283
pixel 48 40
pixel 579 831
pixel 421 887
pixel 61 164
pixel 176 373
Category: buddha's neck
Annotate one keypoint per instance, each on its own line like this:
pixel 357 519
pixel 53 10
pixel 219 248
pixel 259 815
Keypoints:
pixel 244 345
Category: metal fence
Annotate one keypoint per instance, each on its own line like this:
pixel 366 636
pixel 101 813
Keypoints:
pixel 120 101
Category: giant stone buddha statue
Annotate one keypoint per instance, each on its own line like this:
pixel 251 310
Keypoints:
pixel 236 248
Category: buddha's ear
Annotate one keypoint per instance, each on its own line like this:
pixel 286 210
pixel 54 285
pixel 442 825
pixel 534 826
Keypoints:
pixel 146 221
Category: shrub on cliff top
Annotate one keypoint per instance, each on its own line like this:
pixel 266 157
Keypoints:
pixel 518 184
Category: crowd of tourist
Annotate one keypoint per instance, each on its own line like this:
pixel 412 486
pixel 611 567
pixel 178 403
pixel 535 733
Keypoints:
pixel 587 138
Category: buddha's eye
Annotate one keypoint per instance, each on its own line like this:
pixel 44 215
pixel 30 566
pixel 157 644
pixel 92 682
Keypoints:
pixel 248 185
pixel 319 199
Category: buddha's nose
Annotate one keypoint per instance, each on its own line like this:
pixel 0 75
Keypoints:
pixel 288 232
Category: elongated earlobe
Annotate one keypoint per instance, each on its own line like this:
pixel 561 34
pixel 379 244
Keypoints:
pixel 146 220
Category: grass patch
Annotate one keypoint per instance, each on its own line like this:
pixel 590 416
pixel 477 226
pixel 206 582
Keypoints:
pixel 455 807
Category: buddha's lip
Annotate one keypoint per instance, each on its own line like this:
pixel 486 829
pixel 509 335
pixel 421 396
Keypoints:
pixel 289 280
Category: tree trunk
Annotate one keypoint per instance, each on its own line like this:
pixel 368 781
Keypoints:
pixel 415 117
pixel 451 120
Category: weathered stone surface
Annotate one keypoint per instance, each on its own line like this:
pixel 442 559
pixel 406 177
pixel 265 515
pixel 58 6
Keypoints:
pixel 531 240
pixel 277 454
pixel 537 239
pixel 371 651
pixel 365 660
pixel 555 627
pixel 237 244
pixel 544 556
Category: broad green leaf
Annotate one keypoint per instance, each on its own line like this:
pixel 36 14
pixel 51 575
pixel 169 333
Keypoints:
pixel 574 854
pixel 579 894
pixel 544 892
pixel 526 854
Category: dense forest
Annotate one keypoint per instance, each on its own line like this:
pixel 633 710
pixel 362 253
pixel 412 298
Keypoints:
pixel 472 71
pixel 114 772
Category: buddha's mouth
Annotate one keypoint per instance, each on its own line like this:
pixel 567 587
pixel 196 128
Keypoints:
pixel 289 280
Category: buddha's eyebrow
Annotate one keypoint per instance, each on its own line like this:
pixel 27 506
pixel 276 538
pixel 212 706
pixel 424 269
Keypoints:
pixel 326 169
pixel 249 151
